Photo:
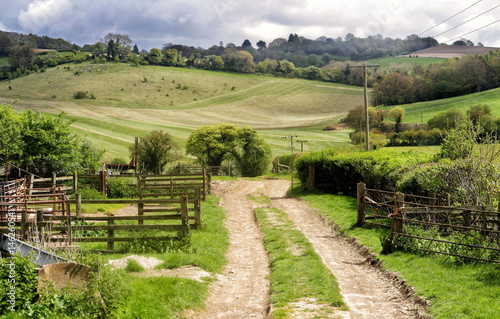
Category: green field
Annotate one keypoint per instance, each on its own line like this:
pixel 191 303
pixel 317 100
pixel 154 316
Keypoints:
pixel 4 61
pixel 132 101
pixel 429 109
pixel 386 62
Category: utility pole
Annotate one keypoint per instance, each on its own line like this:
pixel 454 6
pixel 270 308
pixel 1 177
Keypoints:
pixel 291 140
pixel 302 145
pixel 367 115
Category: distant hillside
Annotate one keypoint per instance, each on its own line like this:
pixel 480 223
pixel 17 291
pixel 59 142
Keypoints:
pixel 131 101
pixel 452 51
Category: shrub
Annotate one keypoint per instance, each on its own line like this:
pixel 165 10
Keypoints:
pixel 80 95
pixel 465 180
pixel 24 277
pixel 339 171
pixel 119 188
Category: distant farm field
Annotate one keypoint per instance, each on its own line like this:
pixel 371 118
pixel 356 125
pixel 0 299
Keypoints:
pixel 132 101
pixel 386 62
pixel 429 109
pixel 4 61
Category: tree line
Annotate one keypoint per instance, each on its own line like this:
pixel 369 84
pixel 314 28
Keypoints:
pixel 323 59
pixel 454 77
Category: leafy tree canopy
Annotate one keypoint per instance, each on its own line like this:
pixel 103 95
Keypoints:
pixel 212 144
pixel 155 151
pixel 42 143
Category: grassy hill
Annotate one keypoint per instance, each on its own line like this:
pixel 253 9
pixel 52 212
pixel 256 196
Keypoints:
pixel 429 109
pixel 132 101
pixel 425 61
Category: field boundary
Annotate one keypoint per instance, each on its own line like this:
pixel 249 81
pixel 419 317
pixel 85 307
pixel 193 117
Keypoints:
pixel 417 223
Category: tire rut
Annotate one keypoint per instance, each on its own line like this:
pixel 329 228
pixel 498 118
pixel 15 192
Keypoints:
pixel 243 290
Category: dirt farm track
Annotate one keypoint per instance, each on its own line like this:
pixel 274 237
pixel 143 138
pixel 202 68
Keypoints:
pixel 242 291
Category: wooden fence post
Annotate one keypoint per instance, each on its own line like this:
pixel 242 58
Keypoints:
pixel 40 230
pixel 400 199
pixel 31 180
pixel 78 198
pixel 448 199
pixel 184 216
pixel 197 207
pixel 24 226
pixel 75 182
pixel 466 217
pixel 70 228
pixel 103 182
pixel 111 234
pixel 54 180
pixel 209 185
pixel 171 187
pixel 140 206
pixel 311 179
pixel 361 204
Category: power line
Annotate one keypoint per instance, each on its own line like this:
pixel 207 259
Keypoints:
pixel 450 17
pixel 472 31
pixel 467 21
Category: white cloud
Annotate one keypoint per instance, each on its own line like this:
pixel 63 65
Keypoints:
pixel 204 23
pixel 42 14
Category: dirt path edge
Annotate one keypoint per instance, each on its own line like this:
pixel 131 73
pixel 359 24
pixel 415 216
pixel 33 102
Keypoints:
pixel 372 259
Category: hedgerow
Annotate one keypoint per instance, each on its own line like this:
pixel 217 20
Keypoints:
pixel 465 180
pixel 338 171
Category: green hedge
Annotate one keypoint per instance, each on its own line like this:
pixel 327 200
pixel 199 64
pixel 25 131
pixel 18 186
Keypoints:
pixel 465 180
pixel 338 171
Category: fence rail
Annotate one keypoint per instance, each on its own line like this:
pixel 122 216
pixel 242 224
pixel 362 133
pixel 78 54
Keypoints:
pixel 467 232
pixel 50 226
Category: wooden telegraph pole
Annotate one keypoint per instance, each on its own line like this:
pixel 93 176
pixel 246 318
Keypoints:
pixel 301 145
pixel 291 140
pixel 367 115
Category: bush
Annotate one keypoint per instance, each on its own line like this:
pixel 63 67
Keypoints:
pixel 24 277
pixel 339 171
pixel 80 95
pixel 465 180
pixel 119 188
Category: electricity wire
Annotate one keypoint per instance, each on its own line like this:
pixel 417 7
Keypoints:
pixel 437 35
pixel 473 31
pixel 450 17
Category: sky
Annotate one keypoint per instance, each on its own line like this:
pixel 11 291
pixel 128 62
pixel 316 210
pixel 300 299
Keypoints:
pixel 203 23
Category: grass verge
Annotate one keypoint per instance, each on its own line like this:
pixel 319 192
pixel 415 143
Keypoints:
pixel 454 291
pixel 296 269
pixel 167 297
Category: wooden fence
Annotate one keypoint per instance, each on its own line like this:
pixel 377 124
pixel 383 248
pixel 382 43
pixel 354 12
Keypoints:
pixel 467 233
pixel 59 231
pixel 100 181
pixel 112 223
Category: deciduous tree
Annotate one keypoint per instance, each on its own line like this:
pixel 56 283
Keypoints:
pixel 155 151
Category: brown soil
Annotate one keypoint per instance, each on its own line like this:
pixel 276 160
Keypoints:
pixel 452 51
pixel 242 291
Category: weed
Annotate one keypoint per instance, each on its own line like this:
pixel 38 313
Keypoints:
pixel 133 266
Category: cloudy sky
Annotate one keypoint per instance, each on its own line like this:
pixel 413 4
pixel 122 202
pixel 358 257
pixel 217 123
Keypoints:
pixel 151 23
